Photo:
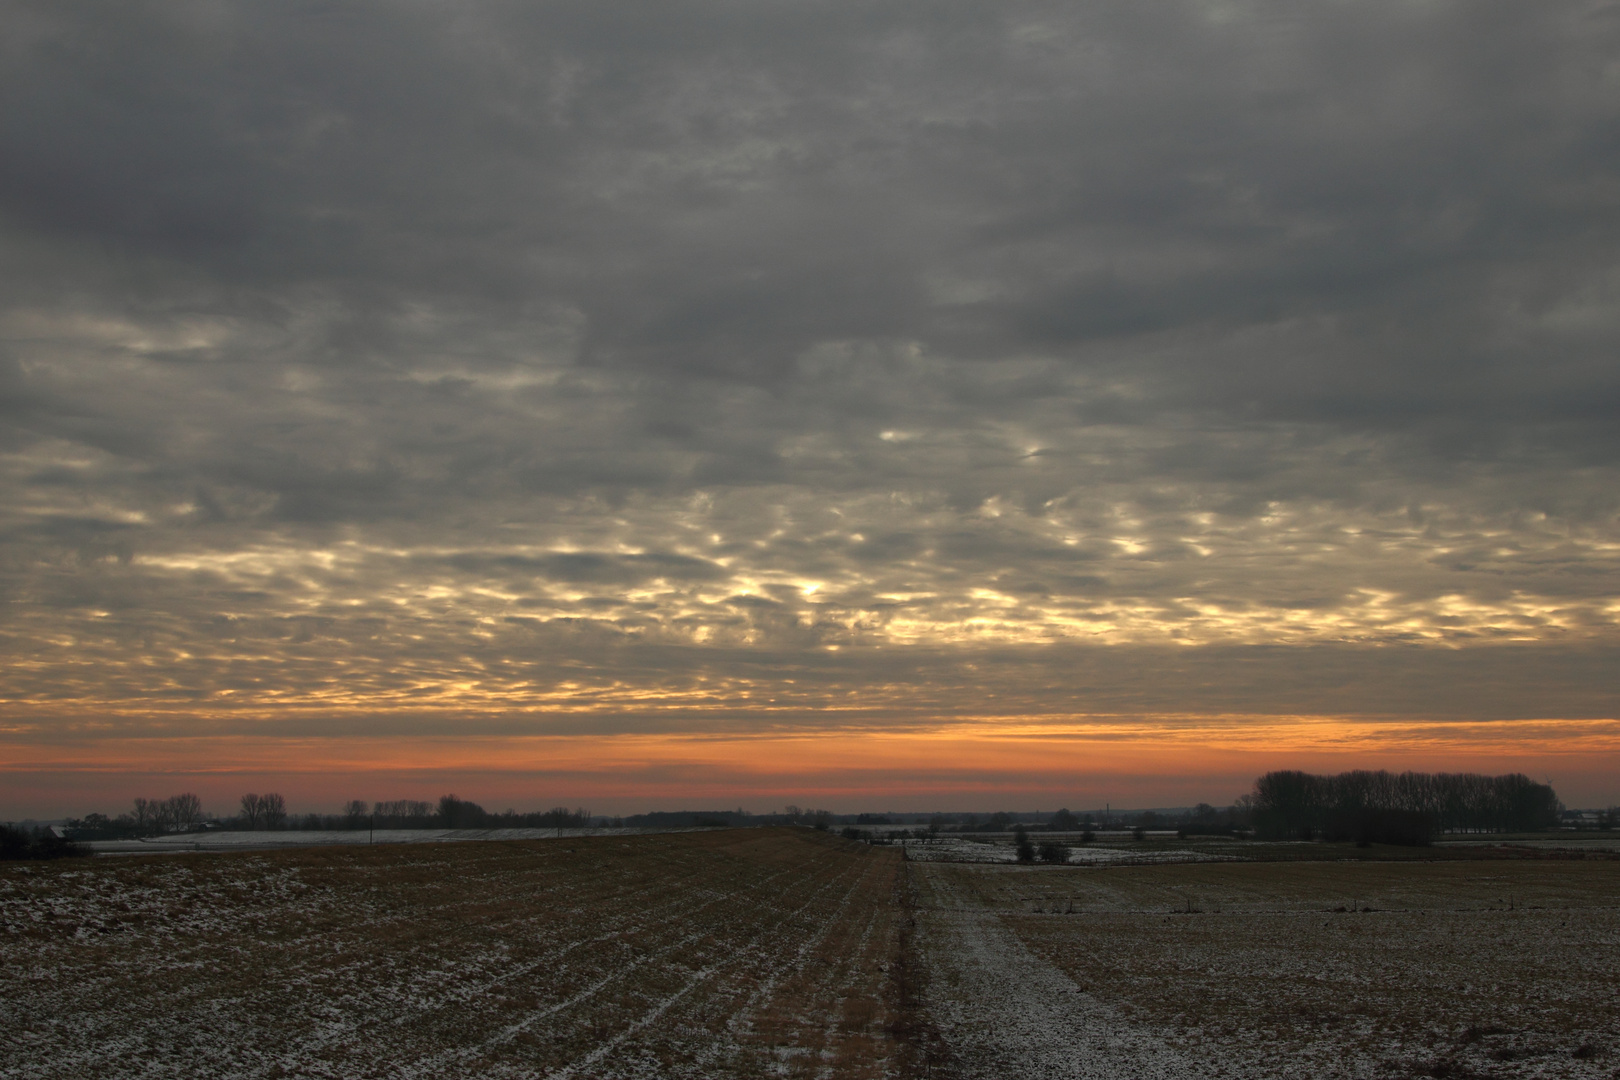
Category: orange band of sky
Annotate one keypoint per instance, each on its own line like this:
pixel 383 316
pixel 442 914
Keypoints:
pixel 967 766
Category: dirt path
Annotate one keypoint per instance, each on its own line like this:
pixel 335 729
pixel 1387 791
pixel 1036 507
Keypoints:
pixel 1002 1012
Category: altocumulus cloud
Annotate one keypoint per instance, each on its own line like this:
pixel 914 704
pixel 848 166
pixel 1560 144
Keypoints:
pixel 807 360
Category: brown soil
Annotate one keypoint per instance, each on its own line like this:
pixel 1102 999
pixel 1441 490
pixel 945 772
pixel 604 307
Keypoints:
pixel 784 952
pixel 735 953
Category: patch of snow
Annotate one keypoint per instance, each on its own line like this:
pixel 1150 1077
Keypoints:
pixel 954 849
pixel 1004 1012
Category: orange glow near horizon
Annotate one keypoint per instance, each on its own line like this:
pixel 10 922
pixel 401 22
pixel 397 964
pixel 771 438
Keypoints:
pixel 646 462
pixel 969 765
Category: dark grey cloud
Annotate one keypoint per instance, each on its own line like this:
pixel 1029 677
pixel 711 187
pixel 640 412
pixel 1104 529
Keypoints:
pixel 768 335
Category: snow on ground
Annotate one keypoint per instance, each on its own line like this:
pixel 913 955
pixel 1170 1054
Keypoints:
pixel 1100 856
pixel 1004 1013
pixel 1569 841
pixel 962 849
pixel 704 955
pixel 1334 970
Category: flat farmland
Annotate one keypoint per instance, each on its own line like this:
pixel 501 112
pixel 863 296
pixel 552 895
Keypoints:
pixel 738 953
pixel 1501 968
pixel 785 952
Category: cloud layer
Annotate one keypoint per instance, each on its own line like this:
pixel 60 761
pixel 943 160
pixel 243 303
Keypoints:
pixel 900 359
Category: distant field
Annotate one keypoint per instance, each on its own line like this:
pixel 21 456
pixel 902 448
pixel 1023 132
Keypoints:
pixel 1497 968
pixel 739 953
pixel 1120 847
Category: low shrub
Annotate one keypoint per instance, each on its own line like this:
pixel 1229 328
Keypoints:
pixel 21 843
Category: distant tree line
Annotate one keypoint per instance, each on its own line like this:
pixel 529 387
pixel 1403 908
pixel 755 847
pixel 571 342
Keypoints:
pixel 458 813
pixel 146 817
pixel 450 812
pixel 184 813
pixel 1364 806
pixel 359 814
pixel 703 819
pixel 1385 807
pixel 396 814
pixel 816 819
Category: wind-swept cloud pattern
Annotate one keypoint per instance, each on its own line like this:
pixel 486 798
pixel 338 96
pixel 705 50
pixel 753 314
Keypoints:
pixel 769 362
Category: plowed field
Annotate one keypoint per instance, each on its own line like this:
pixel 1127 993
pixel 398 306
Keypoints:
pixel 785 952
pixel 738 953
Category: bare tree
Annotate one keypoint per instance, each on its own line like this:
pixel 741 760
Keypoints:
pixel 560 817
pixel 272 810
pixel 354 813
pixel 144 813
pixel 184 810
pixel 398 812
pixel 459 813
pixel 250 810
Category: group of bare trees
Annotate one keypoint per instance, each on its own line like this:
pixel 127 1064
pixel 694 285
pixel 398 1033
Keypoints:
pixel 146 817
pixel 402 813
pixel 459 813
pixel 270 812
pixel 181 813
pixel 819 819
pixel 1402 808
pixel 267 811
pixel 560 817
pixel 177 813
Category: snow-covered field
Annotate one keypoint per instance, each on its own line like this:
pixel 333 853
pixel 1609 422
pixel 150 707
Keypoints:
pixel 1491 969
pixel 741 953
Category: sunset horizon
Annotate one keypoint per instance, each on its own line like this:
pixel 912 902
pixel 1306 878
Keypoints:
pixel 967 408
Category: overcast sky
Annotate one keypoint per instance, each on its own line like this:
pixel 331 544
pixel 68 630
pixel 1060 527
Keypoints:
pixel 603 368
